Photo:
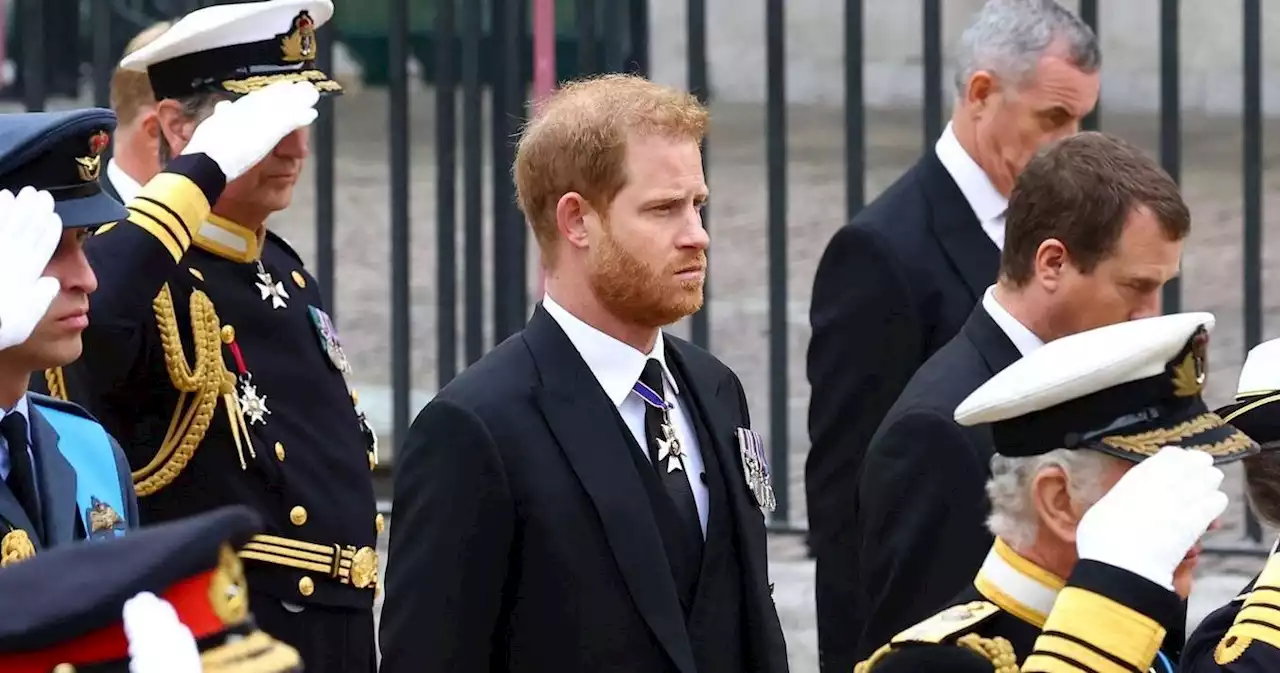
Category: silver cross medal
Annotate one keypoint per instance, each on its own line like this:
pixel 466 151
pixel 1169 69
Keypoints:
pixel 271 288
pixel 669 448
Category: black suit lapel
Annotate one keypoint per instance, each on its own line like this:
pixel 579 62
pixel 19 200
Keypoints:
pixel 582 420
pixel 747 517
pixel 995 347
pixel 971 251
pixel 57 482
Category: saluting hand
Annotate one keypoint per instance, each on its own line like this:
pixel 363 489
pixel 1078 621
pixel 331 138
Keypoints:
pixel 242 132
pixel 1154 514
pixel 29 235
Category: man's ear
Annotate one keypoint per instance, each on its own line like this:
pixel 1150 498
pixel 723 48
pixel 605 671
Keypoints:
pixel 573 217
pixel 175 127
pixel 1051 498
pixel 1050 263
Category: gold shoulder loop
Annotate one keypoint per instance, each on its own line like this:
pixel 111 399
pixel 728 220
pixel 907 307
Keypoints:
pixel 198 388
pixel 947 623
pixel 1257 619
pixel 56 383
pixel 996 650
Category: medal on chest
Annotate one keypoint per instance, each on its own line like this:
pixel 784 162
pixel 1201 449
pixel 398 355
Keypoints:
pixel 272 290
pixel 327 333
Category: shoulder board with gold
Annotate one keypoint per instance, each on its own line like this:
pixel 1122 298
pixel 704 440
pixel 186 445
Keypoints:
pixel 951 622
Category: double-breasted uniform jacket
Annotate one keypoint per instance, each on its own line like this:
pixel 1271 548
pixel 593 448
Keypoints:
pixel 1242 636
pixel 1018 617
pixel 210 358
pixel 62 518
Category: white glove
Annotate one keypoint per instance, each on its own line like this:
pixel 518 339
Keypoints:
pixel 29 235
pixel 158 641
pixel 1152 517
pixel 241 133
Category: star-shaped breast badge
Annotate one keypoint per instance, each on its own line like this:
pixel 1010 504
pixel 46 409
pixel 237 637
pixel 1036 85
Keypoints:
pixel 253 405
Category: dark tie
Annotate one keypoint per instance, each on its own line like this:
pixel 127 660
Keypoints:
pixel 666 452
pixel 22 472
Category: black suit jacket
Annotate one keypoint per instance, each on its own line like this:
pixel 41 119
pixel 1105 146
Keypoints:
pixel 523 540
pixel 892 287
pixel 922 508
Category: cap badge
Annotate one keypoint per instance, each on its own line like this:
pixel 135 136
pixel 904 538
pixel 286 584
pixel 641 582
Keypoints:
pixel 89 167
pixel 228 592
pixel 14 547
pixel 299 44
pixel 1190 373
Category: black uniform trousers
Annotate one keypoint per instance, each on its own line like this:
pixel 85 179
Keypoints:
pixel 327 638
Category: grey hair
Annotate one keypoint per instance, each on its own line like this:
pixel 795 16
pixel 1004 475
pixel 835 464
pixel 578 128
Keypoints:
pixel 1013 514
pixel 197 108
pixel 1008 37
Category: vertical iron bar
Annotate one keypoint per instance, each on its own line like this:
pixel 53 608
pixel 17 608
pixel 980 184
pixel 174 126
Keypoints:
pixel 398 52
pixel 776 143
pixel 611 36
pixel 932 71
pixel 1089 14
pixel 510 287
pixel 638 25
pixel 446 193
pixel 472 179
pixel 33 63
pixel 855 141
pixel 103 59
pixel 324 132
pixel 588 62
pixel 1252 169
pixel 498 46
pixel 700 331
pixel 1170 121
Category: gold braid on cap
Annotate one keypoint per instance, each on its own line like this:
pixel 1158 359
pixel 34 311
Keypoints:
pixel 198 389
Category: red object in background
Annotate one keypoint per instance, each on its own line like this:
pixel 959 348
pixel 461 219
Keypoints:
pixel 544 73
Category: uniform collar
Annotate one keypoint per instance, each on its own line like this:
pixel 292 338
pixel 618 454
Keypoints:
pixel 225 238
pixel 615 365
pixel 1016 585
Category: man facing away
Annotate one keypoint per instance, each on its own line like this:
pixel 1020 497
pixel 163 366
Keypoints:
pixel 588 495
pixel 1103 483
pixel 65 478
pixel 1095 229
pixel 135 155
pixel 900 280
pixel 223 377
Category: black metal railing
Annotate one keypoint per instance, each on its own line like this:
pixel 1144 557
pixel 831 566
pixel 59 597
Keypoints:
pixel 479 46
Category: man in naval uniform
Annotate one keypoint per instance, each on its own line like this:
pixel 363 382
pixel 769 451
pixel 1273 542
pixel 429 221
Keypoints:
pixel 1243 636
pixel 222 375
pixel 1104 482
pixel 168 598
pixel 64 477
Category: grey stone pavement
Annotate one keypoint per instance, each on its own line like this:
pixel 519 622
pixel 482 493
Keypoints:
pixel 1211 281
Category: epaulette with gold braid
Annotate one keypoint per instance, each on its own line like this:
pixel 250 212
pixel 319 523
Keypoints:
pixel 1258 619
pixel 56 382
pixel 947 625
pixel 198 387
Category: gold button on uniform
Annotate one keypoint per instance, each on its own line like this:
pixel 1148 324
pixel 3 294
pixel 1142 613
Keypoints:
pixel 379 522
pixel 306 586
pixel 373 460
pixel 297 278
pixel 228 334
pixel 355 396
pixel 298 515
pixel 279 451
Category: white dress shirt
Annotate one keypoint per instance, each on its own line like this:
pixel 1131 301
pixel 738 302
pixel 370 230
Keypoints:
pixel 21 409
pixel 1023 338
pixel 617 368
pixel 987 202
pixel 125 186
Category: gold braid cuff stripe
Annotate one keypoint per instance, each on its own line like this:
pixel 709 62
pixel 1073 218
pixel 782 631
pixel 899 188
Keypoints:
pixel 347 564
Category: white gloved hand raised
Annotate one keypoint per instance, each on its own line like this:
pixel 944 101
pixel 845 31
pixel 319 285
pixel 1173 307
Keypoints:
pixel 29 235
pixel 242 132
pixel 1154 514
pixel 158 641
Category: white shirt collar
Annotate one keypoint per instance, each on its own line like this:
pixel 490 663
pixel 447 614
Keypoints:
pixel 124 185
pixel 1024 339
pixel 615 365
pixel 1017 585
pixel 987 203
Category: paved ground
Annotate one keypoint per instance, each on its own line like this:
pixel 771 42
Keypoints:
pixel 739 307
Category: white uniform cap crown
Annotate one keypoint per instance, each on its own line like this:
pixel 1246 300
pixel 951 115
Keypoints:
pixel 1081 364
pixel 1261 371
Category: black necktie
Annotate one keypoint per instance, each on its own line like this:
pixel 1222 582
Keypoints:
pixel 666 452
pixel 22 472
